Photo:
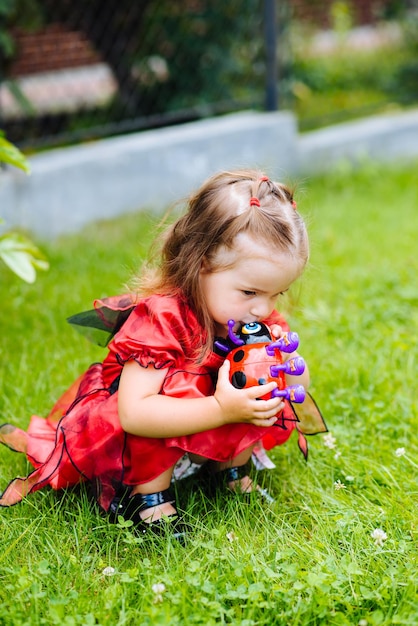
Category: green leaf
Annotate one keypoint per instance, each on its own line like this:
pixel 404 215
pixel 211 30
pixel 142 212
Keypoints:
pixel 19 263
pixel 22 256
pixel 122 523
pixel 12 155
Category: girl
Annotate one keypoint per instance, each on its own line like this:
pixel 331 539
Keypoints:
pixel 162 391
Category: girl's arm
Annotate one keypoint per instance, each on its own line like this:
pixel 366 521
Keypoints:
pixel 145 412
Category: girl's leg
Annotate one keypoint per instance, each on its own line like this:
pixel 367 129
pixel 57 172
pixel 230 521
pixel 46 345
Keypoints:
pixel 196 458
pixel 146 506
pixel 161 483
pixel 244 484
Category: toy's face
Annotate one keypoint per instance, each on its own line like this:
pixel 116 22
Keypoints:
pixel 254 332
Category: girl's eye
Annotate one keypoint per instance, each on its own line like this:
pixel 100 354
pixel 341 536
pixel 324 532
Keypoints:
pixel 248 293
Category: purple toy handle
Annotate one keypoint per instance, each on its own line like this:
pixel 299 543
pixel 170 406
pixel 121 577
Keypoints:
pixel 295 366
pixel 288 343
pixel 294 393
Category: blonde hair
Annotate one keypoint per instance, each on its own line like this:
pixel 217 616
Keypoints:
pixel 215 215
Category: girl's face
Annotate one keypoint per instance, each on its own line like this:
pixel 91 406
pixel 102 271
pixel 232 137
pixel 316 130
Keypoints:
pixel 247 290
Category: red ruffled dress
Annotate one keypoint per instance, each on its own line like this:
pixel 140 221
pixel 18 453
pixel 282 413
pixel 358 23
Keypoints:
pixel 82 439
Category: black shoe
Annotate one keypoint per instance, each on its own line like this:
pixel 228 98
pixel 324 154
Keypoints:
pixel 129 507
pixel 232 474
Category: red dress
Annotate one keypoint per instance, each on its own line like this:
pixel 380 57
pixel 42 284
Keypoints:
pixel 82 439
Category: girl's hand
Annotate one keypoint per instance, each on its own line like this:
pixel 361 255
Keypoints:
pixel 276 331
pixel 241 405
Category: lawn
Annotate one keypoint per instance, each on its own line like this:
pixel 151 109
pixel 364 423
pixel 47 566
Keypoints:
pixel 339 544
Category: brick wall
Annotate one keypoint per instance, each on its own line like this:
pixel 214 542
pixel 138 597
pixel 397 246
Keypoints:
pixel 318 12
pixel 53 48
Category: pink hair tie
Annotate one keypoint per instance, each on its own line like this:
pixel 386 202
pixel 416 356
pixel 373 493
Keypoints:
pixel 254 202
pixel 264 178
pixel 294 205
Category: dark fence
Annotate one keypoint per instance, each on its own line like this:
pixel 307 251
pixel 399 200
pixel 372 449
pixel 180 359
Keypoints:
pixel 75 70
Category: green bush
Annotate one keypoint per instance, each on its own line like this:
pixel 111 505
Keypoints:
pixel 347 82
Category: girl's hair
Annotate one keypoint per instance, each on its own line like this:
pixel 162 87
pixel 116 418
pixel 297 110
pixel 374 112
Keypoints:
pixel 216 214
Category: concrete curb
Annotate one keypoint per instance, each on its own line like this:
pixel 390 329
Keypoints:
pixel 384 138
pixel 73 186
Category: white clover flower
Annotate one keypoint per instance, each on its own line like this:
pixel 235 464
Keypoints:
pixel 109 571
pixel 329 441
pixel 158 590
pixel 379 536
pixel 339 485
pixel 231 536
pixel 363 622
pixel 400 452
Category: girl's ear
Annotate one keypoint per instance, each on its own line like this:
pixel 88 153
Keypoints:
pixel 204 266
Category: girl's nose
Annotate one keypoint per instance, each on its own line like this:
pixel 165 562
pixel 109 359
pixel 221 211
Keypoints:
pixel 260 310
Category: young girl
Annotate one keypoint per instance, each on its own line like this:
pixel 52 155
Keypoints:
pixel 162 391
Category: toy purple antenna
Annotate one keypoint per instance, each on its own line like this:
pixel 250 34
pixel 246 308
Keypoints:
pixel 236 340
pixel 233 337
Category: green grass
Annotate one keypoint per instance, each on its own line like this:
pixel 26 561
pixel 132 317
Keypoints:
pixel 307 559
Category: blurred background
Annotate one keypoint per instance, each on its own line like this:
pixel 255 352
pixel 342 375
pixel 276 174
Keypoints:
pixel 72 70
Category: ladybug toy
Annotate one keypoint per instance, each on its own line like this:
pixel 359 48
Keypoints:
pixel 256 359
